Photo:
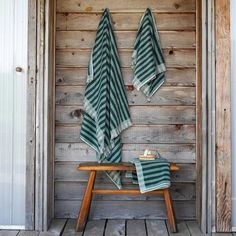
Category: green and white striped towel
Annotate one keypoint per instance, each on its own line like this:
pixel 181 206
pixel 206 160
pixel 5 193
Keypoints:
pixel 106 106
pixel 151 175
pixel 148 61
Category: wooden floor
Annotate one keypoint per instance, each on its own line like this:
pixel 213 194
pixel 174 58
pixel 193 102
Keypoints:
pixel 65 227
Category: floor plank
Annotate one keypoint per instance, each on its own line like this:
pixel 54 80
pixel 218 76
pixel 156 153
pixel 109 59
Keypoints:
pixel 222 234
pixel 57 226
pixel 95 228
pixel 182 229
pixel 28 233
pixel 194 228
pixel 70 229
pixel 47 234
pixel 156 228
pixel 115 228
pixel 136 228
pixel 8 232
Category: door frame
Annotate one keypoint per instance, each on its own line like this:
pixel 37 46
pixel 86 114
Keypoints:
pixel 30 132
pixel 40 114
pixel 216 199
pixel 41 108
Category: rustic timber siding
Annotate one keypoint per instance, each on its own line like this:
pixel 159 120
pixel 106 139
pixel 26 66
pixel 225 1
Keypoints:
pixel 166 123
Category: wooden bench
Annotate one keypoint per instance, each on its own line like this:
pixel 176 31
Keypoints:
pixel 93 167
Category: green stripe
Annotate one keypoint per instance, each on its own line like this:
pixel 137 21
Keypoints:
pixel 106 101
pixel 148 55
pixel 151 175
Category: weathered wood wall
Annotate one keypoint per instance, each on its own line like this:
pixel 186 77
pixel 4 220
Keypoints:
pixel 166 123
pixel 223 118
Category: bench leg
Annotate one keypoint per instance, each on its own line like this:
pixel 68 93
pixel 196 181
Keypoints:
pixel 170 211
pixel 86 203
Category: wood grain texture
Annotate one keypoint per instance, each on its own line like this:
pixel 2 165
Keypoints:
pixel 174 76
pixel 199 112
pixel 177 153
pixel 122 166
pixel 31 113
pixel 80 58
pixel 223 123
pixel 115 228
pixel 193 228
pixel 170 211
pixel 156 228
pixel 57 226
pixel 126 6
pixel 74 95
pixel 28 233
pixel 69 229
pixel 95 228
pixel 135 228
pixel 167 123
pixel 137 134
pixel 183 230
pixel 70 190
pixel 68 172
pixel 124 39
pixel 140 115
pixel 86 202
pixel 125 209
pixel 9 233
pixel 124 21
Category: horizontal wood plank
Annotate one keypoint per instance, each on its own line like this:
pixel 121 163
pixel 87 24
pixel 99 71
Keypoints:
pixel 167 123
pixel 174 77
pixel 74 95
pixel 140 115
pixel 115 228
pixel 69 229
pixel 135 228
pixel 124 21
pixel 57 226
pixel 137 134
pixel 75 190
pixel 124 39
pixel 126 5
pixel 125 209
pixel 173 58
pixel 156 227
pixel 9 233
pixel 95 228
pixel 68 172
pixel 182 229
pixel 122 166
pixel 81 152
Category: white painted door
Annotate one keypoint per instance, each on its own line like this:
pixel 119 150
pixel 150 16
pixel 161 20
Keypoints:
pixel 233 76
pixel 13 78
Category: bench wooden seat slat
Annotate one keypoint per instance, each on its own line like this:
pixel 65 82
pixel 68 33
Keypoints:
pixel 123 166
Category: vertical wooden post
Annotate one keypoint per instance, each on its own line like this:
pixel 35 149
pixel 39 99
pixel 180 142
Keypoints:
pixel 198 109
pixel 223 123
pixel 31 103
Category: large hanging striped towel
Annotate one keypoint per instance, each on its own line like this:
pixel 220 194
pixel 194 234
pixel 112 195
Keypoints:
pixel 148 61
pixel 106 106
pixel 151 175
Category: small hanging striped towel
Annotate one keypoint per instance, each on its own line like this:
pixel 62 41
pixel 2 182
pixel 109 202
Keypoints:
pixel 106 106
pixel 151 175
pixel 148 61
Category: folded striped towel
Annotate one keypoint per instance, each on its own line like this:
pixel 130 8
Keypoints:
pixel 106 106
pixel 151 175
pixel 148 61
